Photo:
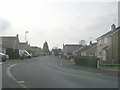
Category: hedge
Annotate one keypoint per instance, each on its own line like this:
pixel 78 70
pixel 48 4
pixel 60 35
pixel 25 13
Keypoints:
pixel 13 53
pixel 86 61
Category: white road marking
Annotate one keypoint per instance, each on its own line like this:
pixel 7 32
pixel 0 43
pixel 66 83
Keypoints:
pixel 12 77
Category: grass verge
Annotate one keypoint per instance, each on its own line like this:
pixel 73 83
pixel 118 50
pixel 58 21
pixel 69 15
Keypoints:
pixel 110 67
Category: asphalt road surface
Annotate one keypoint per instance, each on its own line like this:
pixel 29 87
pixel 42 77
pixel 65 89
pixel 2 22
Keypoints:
pixel 49 72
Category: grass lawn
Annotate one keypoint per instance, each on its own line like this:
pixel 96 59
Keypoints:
pixel 110 67
pixel 13 60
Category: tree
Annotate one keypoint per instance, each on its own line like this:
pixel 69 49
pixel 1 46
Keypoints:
pixel 45 48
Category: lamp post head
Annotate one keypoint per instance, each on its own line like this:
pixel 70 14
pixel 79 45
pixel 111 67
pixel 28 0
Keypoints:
pixel 25 34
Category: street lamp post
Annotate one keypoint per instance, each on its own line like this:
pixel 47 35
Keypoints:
pixel 26 34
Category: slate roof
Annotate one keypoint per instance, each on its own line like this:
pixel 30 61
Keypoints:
pixel 84 48
pixel 109 33
pixel 9 41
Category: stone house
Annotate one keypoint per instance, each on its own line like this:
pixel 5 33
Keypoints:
pixel 86 50
pixel 70 48
pixel 36 51
pixel 104 47
pixel 91 50
pixel 78 52
pixel 24 46
pixel 9 42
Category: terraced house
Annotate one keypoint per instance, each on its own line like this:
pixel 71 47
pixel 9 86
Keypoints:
pixel 70 48
pixel 107 46
pixel 24 46
pixel 36 51
pixel 86 50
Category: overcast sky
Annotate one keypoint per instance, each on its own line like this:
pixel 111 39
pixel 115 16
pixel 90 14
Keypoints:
pixel 57 21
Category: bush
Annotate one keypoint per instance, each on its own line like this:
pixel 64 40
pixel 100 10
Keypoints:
pixel 13 53
pixel 86 61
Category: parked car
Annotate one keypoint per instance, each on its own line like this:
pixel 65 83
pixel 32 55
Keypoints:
pixel 7 56
pixel 24 54
pixel 3 57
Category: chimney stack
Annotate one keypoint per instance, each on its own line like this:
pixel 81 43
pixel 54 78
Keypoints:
pixel 90 42
pixel 17 35
pixel 113 27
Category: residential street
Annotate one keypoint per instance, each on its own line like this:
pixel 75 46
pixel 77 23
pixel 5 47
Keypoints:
pixel 50 72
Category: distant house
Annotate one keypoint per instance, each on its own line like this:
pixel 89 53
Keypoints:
pixel 56 51
pixel 86 50
pixel 78 52
pixel 90 50
pixel 70 48
pixel 36 51
pixel 24 46
pixel 9 42
pixel 104 47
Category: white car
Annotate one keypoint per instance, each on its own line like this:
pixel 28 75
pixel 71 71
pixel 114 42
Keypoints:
pixel 24 54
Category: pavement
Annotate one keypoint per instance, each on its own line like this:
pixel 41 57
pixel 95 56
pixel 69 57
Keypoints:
pixel 8 82
pixel 108 72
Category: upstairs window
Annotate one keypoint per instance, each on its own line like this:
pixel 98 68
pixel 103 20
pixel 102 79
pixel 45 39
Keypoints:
pixel 106 40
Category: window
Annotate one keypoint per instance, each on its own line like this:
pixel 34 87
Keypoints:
pixel 105 40
pixel 104 55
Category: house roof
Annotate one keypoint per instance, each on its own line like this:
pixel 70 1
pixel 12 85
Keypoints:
pixel 117 29
pixel 23 43
pixel 12 38
pixel 108 33
pixel 9 37
pixel 9 41
pixel 72 45
pixel 91 46
pixel 80 49
pixel 84 48
pixel 33 46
